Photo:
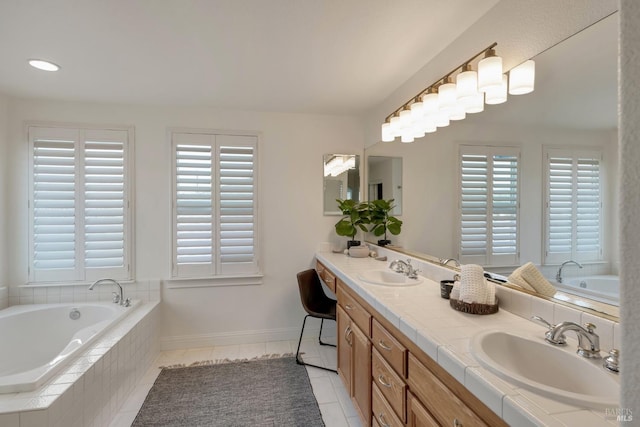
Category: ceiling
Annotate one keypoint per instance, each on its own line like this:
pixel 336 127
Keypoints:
pixel 308 56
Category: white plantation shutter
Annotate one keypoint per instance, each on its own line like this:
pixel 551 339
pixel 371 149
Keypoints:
pixel 215 205
pixel 105 219
pixel 573 205
pixel 237 215
pixel 53 204
pixel 489 205
pixel 79 204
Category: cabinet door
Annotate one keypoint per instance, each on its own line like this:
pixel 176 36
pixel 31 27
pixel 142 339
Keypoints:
pixel 439 400
pixel 418 414
pixel 361 374
pixel 345 338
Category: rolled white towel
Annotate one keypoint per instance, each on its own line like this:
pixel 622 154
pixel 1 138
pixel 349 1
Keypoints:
pixel 537 281
pixel 455 291
pixel 491 293
pixel 473 286
pixel 516 279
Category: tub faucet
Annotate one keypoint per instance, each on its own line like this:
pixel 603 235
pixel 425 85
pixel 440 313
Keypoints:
pixel 559 274
pixel 588 341
pixel 118 299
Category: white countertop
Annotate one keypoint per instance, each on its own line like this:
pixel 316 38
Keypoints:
pixel 444 334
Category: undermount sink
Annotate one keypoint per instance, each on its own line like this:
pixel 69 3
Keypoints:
pixel 388 278
pixel 553 371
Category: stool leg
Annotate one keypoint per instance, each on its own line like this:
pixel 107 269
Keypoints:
pixel 320 336
pixel 299 360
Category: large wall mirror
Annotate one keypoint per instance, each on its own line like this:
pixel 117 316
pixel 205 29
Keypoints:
pixel 573 108
pixel 384 180
pixel 341 180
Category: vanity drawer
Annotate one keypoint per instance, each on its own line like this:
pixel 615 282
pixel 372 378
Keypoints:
pixel 382 412
pixel 326 276
pixel 390 385
pixel 356 312
pixel 445 406
pixel 392 351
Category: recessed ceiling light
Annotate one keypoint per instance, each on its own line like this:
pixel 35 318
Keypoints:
pixel 41 64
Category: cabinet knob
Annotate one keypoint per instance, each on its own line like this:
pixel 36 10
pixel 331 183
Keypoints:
pixel 457 423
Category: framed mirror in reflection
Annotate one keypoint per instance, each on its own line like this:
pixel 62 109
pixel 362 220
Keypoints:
pixel 341 180
pixel 572 111
pixel 384 180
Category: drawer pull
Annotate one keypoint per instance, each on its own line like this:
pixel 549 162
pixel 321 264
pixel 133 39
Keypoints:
pixel 381 380
pixel 456 423
pixel 347 333
pixel 348 306
pixel 384 346
pixel 381 418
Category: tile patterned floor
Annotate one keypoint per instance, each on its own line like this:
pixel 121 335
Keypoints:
pixel 335 405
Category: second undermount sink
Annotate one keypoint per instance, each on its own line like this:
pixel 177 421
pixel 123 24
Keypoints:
pixel 555 372
pixel 388 278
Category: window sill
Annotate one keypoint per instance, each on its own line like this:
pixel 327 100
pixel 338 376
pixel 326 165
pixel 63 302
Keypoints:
pixel 215 281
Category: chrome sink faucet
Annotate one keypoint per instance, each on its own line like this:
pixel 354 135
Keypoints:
pixel 118 298
pixel 559 273
pixel 404 267
pixel 588 340
pixel 446 261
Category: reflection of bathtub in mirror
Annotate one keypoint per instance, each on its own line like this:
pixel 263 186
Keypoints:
pixel 605 288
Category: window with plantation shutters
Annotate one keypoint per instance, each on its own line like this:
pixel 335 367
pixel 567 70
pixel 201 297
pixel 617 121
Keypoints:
pixel 573 209
pixel 79 206
pixel 215 212
pixel 488 205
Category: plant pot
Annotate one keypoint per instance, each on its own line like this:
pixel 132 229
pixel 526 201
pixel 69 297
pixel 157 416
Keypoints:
pixel 352 243
pixel 384 242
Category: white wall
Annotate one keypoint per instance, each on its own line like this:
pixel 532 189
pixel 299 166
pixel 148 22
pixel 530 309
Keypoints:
pixel 430 182
pixel 629 92
pixel 4 133
pixel 290 206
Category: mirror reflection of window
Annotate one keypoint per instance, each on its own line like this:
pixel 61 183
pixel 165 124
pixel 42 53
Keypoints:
pixel 341 180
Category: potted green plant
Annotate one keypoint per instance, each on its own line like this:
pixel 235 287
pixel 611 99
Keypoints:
pixel 355 216
pixel 382 220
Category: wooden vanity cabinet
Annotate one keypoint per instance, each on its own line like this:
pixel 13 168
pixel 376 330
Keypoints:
pixel 391 381
pixel 354 356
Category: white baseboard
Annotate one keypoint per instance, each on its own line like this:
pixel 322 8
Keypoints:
pixel 244 337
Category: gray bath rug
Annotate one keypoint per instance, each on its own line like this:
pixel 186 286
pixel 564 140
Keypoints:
pixel 262 392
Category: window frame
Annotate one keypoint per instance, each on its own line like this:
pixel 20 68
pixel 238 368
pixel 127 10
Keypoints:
pixel 211 275
pixel 80 273
pixel 574 153
pixel 489 259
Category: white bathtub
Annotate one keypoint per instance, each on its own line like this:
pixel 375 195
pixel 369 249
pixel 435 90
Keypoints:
pixel 38 339
pixel 604 288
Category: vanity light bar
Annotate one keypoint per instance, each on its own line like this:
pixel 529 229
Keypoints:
pixel 446 100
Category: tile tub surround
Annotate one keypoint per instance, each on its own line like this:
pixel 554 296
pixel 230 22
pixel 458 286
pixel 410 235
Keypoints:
pixel 444 334
pixel 90 390
pixel 143 290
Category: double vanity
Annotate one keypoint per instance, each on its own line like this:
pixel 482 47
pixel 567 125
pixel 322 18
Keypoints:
pixel 408 359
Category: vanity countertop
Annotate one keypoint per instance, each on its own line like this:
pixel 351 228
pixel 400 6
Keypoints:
pixel 444 334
